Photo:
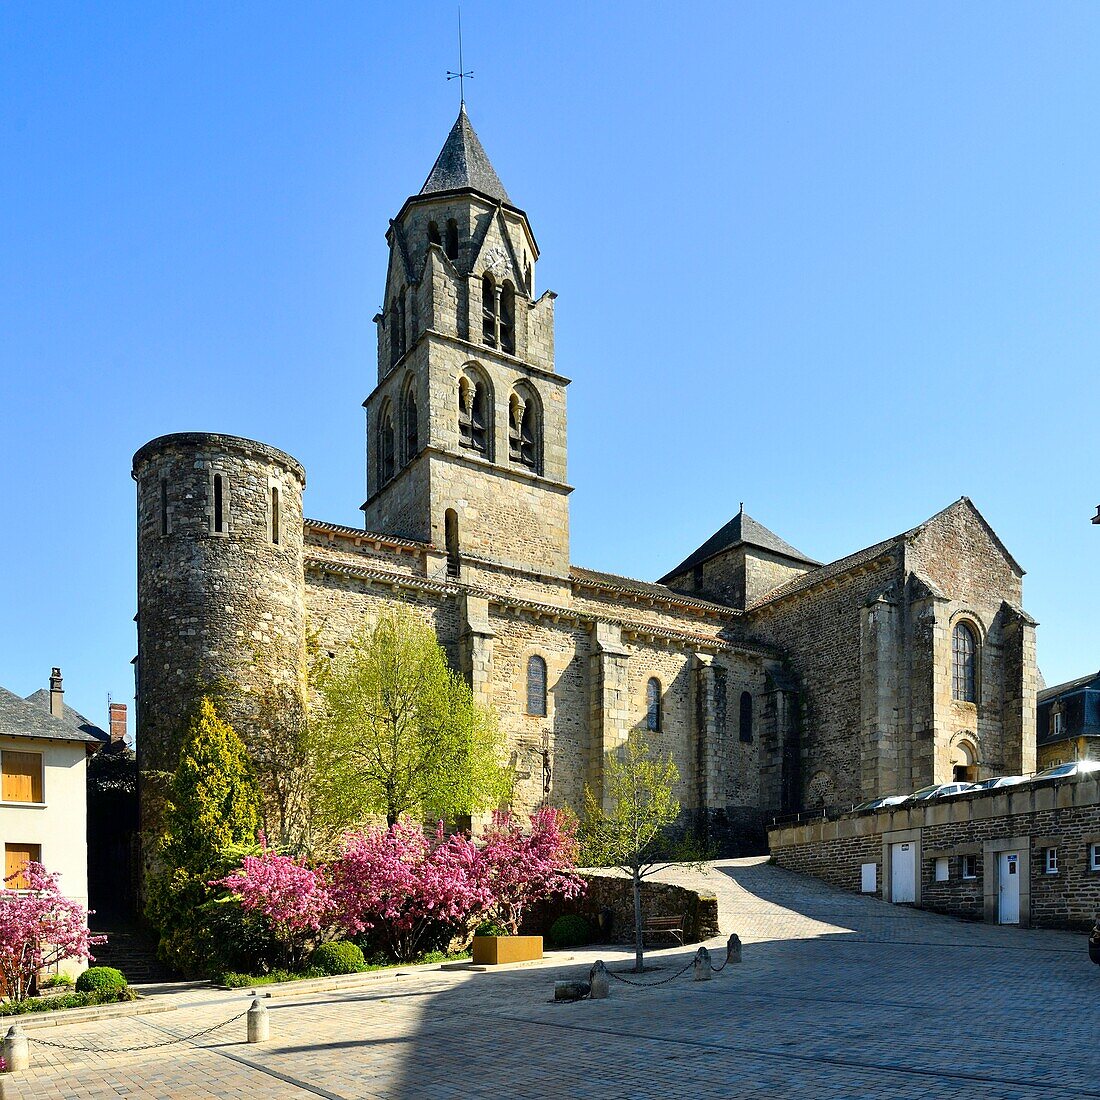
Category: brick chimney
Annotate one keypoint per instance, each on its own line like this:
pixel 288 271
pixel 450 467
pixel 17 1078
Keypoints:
pixel 117 715
pixel 57 694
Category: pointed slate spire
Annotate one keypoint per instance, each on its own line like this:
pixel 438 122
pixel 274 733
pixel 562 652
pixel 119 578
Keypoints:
pixel 462 163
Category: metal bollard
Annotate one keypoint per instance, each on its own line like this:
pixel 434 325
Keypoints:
pixel 702 965
pixel 598 981
pixel 259 1023
pixel 15 1050
pixel 733 948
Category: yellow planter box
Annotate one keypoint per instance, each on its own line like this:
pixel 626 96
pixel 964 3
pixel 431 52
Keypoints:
pixel 490 950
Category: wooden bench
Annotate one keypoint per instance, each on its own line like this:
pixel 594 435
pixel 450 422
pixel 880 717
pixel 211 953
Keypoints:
pixel 669 926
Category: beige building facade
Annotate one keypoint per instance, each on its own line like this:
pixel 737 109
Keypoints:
pixel 775 682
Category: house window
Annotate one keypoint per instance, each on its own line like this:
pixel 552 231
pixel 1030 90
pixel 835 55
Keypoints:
pixel 16 858
pixel 964 648
pixel 653 704
pixel 942 869
pixel 536 686
pixel 275 514
pixel 1094 857
pixel 1050 860
pixel 969 866
pixel 219 505
pixel 1059 723
pixel 22 776
pixel 473 415
pixel 746 717
pixel 452 239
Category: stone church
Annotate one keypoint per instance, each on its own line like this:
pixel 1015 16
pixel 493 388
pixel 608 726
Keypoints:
pixel 775 681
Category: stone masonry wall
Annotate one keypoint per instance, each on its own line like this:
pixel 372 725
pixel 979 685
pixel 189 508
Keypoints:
pixel 1029 819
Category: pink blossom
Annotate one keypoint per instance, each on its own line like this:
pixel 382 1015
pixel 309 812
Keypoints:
pixel 293 897
pixel 516 868
pixel 39 927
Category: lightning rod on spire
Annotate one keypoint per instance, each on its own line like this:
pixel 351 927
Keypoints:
pixel 462 74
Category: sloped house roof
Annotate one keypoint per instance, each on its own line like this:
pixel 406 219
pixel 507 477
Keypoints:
pixel 30 718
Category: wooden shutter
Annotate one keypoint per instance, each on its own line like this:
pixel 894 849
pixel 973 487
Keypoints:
pixel 16 858
pixel 22 780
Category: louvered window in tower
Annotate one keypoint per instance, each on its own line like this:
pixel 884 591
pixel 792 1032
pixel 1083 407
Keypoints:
pixel 524 431
pixel 473 425
pixel 490 319
pixel 508 318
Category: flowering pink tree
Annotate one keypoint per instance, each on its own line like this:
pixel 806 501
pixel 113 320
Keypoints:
pixel 292 897
pixel 516 868
pixel 39 926
pixel 406 884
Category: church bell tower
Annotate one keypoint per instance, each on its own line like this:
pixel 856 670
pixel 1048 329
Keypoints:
pixel 466 443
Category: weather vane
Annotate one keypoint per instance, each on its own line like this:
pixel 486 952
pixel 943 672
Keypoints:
pixel 461 75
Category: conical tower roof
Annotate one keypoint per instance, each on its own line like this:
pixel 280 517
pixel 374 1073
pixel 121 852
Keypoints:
pixel 462 163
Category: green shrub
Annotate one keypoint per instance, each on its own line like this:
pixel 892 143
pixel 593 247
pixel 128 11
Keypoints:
pixel 231 979
pixel 490 928
pixel 339 957
pixel 570 930
pixel 66 1000
pixel 101 979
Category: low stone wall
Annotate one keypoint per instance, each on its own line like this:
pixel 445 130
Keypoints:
pixel 613 893
pixel 957 844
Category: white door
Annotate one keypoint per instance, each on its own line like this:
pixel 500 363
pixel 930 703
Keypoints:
pixel 1008 888
pixel 903 872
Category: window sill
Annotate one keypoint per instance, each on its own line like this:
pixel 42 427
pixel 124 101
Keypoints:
pixel 25 805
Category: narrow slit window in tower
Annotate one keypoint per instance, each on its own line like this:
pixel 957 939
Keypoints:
pixel 275 514
pixel 412 426
pixel 450 535
pixel 746 717
pixel 164 506
pixel 219 510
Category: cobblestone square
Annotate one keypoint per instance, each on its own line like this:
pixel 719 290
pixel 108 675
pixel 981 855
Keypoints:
pixel 838 996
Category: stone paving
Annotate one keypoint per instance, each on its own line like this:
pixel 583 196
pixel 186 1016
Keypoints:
pixel 838 996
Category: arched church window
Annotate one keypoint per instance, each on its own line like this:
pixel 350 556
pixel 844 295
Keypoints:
pixel 508 318
pixel 410 423
pixel 964 651
pixel 746 717
pixel 653 704
pixel 473 414
pixel 536 686
pixel 452 239
pixel 397 327
pixel 490 319
pixel 525 430
pixel 385 448
pixel 433 234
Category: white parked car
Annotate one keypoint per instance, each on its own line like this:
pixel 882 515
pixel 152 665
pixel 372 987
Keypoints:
pixel 941 790
pixel 881 803
pixel 1074 767
pixel 1001 781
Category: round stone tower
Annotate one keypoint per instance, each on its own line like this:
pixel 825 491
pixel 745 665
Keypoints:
pixel 221 587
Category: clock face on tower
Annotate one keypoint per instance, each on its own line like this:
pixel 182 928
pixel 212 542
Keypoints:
pixel 496 261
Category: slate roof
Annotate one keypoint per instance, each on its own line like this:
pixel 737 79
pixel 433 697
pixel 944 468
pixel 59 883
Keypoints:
pixel 463 164
pixel 615 583
pixel 742 530
pixel 85 725
pixel 29 718
pixel 1069 685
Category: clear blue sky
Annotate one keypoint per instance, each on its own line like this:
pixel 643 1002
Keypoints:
pixel 836 260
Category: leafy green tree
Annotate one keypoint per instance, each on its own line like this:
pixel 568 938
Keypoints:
pixel 211 817
pixel 634 830
pixel 398 731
